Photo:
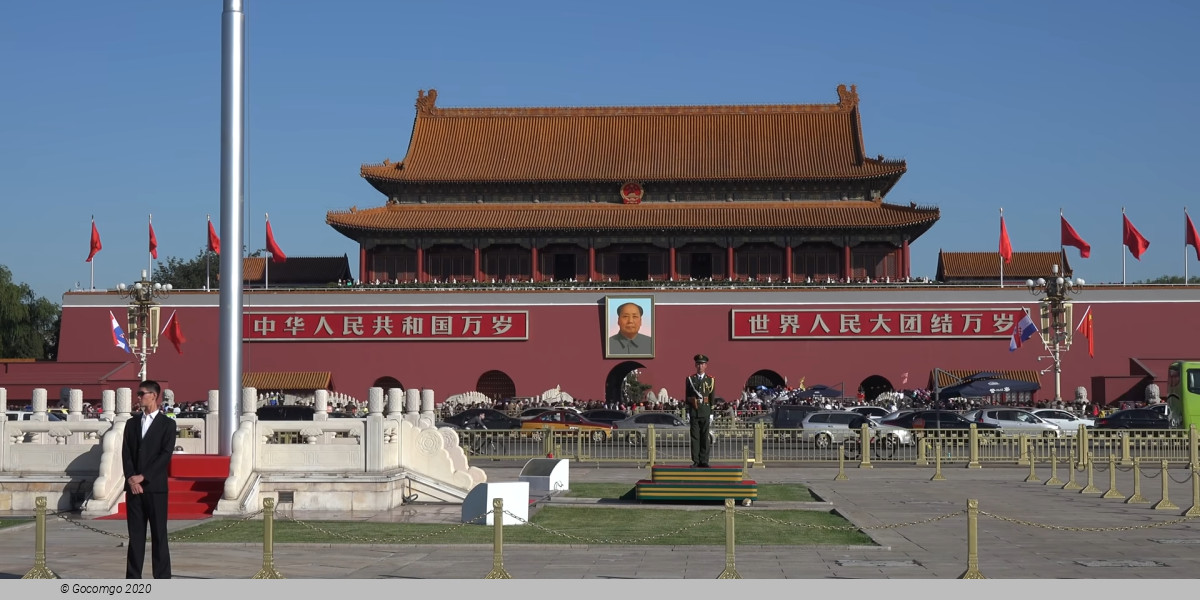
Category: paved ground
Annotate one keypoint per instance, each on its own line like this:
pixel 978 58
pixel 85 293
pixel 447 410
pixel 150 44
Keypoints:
pixel 880 500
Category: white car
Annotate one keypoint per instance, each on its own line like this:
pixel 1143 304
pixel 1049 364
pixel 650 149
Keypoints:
pixel 1067 421
pixel 875 413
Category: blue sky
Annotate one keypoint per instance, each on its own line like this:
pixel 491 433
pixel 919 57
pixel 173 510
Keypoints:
pixel 113 109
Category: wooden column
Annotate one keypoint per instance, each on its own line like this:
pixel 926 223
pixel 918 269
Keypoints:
pixel 846 263
pixel 787 263
pixel 591 262
pixel 478 264
pixel 421 275
pixel 905 266
pixel 535 272
pixel 671 259
pixel 363 274
pixel 730 272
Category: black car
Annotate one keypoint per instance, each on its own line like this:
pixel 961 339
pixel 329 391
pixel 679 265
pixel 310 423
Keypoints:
pixel 605 415
pixel 936 419
pixel 285 412
pixel 790 416
pixel 1133 418
pixel 492 419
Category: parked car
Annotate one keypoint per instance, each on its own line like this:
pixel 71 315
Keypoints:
pixel 560 419
pixel 824 428
pixel 24 415
pixel 936 419
pixel 1014 421
pixel 790 416
pixel 604 415
pixel 1067 421
pixel 534 411
pixel 492 419
pixel 1134 418
pixel 639 424
pixel 285 412
pixel 875 413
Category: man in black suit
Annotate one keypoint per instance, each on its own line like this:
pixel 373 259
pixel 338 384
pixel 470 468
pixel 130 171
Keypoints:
pixel 146 459
pixel 698 395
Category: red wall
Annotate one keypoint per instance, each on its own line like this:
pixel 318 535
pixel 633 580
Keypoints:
pixel 566 343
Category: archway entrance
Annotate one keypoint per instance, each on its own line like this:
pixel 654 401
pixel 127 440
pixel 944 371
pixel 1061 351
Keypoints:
pixel 623 379
pixel 496 385
pixel 765 378
pixel 873 386
pixel 387 382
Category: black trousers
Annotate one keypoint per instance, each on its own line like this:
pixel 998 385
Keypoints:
pixel 698 430
pixel 142 509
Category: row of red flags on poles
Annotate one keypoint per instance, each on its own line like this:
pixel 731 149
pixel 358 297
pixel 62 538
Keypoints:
pixel 214 242
pixel 1131 237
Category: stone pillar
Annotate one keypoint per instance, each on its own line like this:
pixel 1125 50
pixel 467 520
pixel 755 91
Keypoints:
pixel 39 405
pixel 124 402
pixel 321 405
pixel 412 401
pixel 4 398
pixel 375 401
pixel 427 405
pixel 75 406
pixel 249 402
pixel 395 403
pixel 214 402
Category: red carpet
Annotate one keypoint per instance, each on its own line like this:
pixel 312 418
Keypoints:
pixel 196 484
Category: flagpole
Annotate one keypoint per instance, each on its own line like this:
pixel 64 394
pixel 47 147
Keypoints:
pixel 149 257
pixel 267 262
pixel 1185 260
pixel 1062 250
pixel 207 258
pixel 1122 245
pixel 92 262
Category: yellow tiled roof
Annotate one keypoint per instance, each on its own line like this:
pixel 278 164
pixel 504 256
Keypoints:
pixel 288 381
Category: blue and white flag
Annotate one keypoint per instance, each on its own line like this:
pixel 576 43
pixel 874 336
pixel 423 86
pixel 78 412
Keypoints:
pixel 118 335
pixel 1022 332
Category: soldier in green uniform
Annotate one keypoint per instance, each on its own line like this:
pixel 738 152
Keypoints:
pixel 698 396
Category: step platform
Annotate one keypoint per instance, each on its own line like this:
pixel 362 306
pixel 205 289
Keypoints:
pixel 196 483
pixel 684 482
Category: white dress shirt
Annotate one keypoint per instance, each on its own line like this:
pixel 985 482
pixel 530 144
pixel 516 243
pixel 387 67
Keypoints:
pixel 146 421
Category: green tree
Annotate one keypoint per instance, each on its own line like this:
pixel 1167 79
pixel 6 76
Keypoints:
pixel 633 389
pixel 1169 279
pixel 29 325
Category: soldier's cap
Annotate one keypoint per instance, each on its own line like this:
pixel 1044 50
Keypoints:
pixel 700 358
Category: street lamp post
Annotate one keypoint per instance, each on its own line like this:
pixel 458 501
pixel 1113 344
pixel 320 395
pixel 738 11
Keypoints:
pixel 143 315
pixel 1056 318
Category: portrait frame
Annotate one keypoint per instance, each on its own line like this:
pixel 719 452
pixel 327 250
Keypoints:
pixel 642 346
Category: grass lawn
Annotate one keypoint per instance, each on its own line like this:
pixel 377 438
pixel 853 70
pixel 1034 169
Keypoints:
pixel 562 525
pixel 13 522
pixel 766 491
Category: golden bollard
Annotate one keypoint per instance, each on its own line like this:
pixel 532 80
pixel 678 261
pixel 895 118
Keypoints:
pixel 841 474
pixel 1054 480
pixel 268 567
pixel 1137 497
pixel 1090 488
pixel 498 571
pixel 922 459
pixel 1032 477
pixel 972 571
pixel 937 472
pixel 1194 511
pixel 40 570
pixel 1112 480
pixel 1071 484
pixel 1165 503
pixel 864 439
pixel 730 571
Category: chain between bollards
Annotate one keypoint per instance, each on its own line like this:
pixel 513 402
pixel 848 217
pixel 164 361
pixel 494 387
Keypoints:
pixel 498 571
pixel 40 570
pixel 730 571
pixel 268 567
pixel 972 571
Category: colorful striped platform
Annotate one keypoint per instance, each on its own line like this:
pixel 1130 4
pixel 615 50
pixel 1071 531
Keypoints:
pixel 688 483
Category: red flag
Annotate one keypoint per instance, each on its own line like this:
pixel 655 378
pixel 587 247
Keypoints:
pixel 174 332
pixel 277 255
pixel 1005 245
pixel 1190 237
pixel 153 243
pixel 1133 239
pixel 214 242
pixel 95 242
pixel 1085 327
pixel 1070 238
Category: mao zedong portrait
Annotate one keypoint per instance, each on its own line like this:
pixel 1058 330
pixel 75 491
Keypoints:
pixel 629 341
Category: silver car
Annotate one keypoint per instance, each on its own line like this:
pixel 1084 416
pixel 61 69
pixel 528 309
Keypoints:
pixel 1067 421
pixel 824 428
pixel 1014 421
pixel 635 428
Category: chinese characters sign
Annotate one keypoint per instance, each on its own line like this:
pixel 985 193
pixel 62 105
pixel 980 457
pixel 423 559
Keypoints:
pixel 808 324
pixel 385 325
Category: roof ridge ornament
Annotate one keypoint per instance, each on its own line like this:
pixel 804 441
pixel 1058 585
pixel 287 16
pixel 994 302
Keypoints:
pixel 847 98
pixel 425 102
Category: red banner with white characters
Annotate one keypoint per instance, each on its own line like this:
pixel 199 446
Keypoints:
pixel 853 323
pixel 385 325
